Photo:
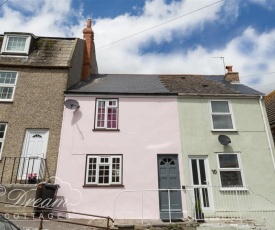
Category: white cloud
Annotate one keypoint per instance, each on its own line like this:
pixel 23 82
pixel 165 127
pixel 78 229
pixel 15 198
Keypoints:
pixel 269 4
pixel 249 53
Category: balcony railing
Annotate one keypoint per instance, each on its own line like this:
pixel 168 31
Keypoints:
pixel 23 170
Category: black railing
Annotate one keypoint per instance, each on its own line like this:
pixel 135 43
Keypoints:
pixel 23 170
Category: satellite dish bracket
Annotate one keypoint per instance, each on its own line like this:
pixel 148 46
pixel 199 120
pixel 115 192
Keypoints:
pixel 224 140
pixel 71 104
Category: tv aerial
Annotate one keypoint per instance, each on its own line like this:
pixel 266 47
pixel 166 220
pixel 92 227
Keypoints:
pixel 71 104
pixel 224 140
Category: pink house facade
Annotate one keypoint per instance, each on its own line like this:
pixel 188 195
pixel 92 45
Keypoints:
pixel 120 147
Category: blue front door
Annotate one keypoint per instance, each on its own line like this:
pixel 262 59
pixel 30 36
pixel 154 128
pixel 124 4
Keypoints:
pixel 168 173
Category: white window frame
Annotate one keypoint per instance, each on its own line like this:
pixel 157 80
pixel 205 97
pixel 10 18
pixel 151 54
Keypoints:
pixel 228 113
pixel 240 169
pixel 9 85
pixel 106 113
pixel 6 40
pixel 98 163
pixel 2 140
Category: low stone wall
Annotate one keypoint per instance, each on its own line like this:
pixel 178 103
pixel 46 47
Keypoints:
pixel 15 198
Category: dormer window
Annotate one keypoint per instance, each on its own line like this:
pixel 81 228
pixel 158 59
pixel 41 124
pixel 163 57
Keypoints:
pixel 16 44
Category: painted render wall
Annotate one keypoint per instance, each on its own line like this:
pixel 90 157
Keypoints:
pixel 250 140
pixel 148 126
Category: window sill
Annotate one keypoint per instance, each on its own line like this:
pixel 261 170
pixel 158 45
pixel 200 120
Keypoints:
pixel 224 130
pixel 6 101
pixel 103 186
pixel 14 54
pixel 225 189
pixel 108 130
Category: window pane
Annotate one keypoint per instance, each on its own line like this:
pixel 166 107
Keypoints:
pixel 2 127
pixel 92 170
pixel 231 178
pixel 220 106
pixel 100 114
pixel 228 161
pixel 115 170
pixel 202 172
pixel 195 172
pixel 7 77
pixel 112 118
pixel 222 122
pixel 103 177
pixel 6 92
pixel 16 44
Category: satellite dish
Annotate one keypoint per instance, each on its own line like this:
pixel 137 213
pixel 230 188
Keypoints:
pixel 224 140
pixel 71 104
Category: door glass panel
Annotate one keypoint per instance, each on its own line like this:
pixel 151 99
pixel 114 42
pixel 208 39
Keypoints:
pixel 201 190
pixel 202 172
pixel 205 197
pixel 195 172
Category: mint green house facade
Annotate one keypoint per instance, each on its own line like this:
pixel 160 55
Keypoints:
pixel 227 148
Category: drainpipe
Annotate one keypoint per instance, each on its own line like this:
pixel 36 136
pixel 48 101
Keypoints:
pixel 266 130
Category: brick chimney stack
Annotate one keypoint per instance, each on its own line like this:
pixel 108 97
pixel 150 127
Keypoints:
pixel 89 60
pixel 231 76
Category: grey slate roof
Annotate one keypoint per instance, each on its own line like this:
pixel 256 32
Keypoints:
pixel 44 51
pixel 160 84
pixel 270 107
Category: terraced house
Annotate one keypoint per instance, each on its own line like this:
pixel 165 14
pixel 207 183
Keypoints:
pixel 34 73
pixel 167 147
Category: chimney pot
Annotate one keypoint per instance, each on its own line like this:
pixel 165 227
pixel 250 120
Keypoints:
pixel 229 68
pixel 89 23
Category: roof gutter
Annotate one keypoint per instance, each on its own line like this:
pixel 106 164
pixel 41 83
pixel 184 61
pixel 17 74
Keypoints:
pixel 36 66
pixel 267 132
pixel 117 93
pixel 218 95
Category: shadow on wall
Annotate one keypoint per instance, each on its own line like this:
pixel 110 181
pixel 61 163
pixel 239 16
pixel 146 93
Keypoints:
pixel 77 114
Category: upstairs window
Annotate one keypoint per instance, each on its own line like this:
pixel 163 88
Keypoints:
pixel 16 44
pixel 230 170
pixel 106 114
pixel 3 128
pixel 221 114
pixel 7 85
pixel 103 170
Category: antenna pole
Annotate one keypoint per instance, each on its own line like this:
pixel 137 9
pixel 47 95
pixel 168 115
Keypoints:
pixel 222 62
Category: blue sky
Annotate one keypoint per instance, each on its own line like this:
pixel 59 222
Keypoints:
pixel 181 42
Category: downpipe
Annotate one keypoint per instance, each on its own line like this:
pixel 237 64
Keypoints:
pixel 267 132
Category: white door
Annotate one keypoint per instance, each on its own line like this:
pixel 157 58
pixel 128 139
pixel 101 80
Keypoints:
pixel 33 153
pixel 201 182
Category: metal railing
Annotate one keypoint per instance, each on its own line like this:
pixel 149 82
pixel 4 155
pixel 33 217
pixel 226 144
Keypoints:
pixel 55 212
pixel 142 192
pixel 223 203
pixel 240 204
pixel 23 170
